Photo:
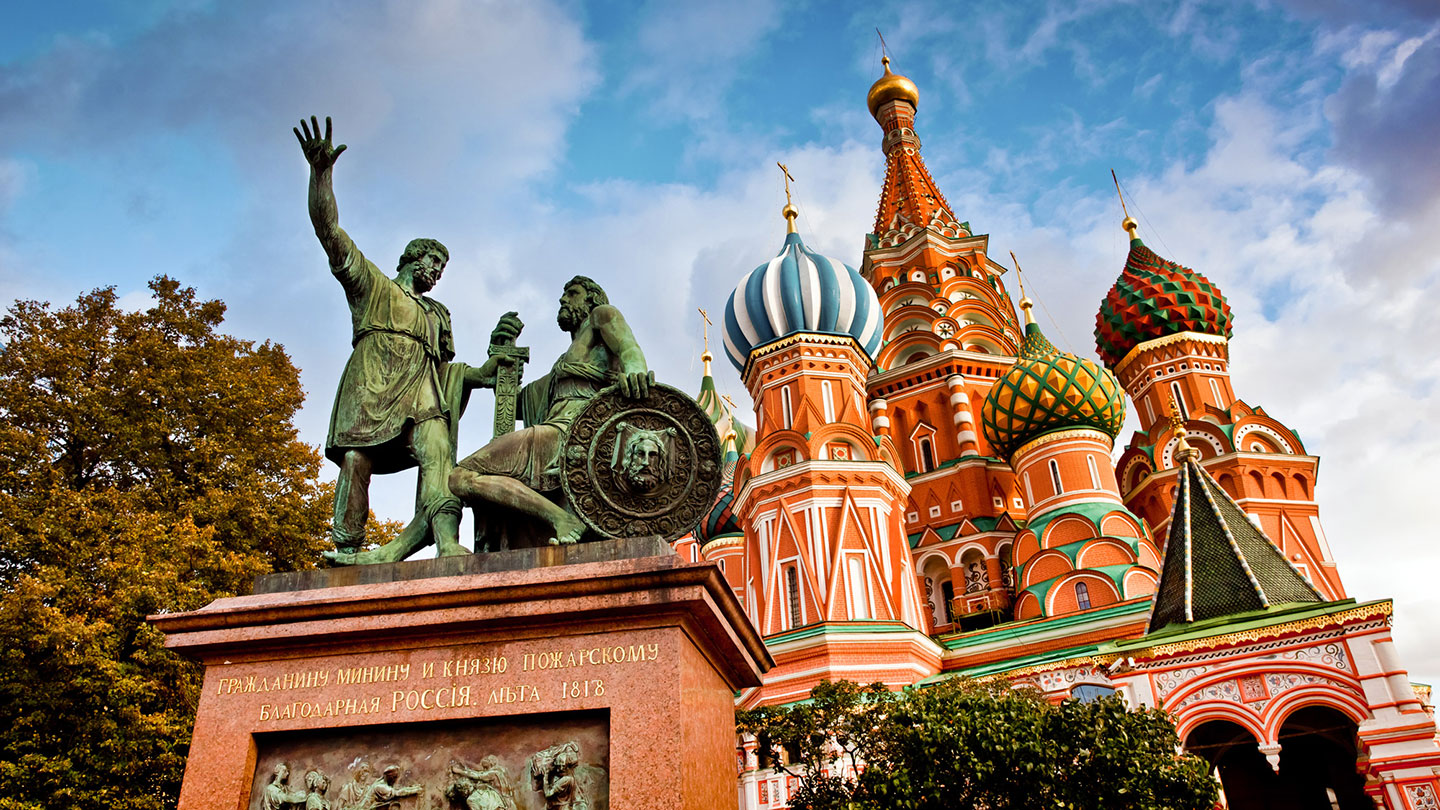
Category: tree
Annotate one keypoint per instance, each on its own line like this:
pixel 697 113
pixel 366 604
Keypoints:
pixel 960 744
pixel 148 464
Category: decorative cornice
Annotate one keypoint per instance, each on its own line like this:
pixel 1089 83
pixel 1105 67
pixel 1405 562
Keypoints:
pixel 1161 342
pixel 1359 613
pixel 722 542
pixel 1062 435
pixel 802 337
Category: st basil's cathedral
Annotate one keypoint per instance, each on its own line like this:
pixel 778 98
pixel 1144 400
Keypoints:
pixel 929 491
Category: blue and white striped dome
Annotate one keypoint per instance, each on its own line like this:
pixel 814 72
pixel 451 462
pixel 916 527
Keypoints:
pixel 800 291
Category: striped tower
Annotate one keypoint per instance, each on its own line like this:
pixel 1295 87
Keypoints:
pixel 828 577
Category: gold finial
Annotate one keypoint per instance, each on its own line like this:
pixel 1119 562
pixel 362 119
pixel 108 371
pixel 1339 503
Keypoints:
pixel 890 87
pixel 1025 303
pixel 705 356
pixel 1129 223
pixel 790 212
pixel 1183 450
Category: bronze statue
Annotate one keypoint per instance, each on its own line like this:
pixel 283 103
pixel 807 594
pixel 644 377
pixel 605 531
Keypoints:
pixel 400 397
pixel 517 471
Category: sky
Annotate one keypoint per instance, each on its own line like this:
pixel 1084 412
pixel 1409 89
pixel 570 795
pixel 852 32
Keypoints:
pixel 1287 149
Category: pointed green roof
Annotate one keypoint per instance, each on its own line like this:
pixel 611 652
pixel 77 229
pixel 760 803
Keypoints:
pixel 1218 563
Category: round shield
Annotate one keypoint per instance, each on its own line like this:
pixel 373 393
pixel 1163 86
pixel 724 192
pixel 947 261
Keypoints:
pixel 636 467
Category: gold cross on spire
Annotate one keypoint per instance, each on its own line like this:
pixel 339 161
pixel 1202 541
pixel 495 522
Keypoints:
pixel 790 212
pixel 706 357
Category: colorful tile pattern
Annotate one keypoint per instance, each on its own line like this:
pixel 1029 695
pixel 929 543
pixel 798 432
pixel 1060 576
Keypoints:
pixel 1155 297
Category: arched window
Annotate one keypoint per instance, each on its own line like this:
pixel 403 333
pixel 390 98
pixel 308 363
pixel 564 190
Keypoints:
pixel 1179 400
pixel 787 417
pixel 1082 595
pixel 1215 389
pixel 1149 412
pixel 1055 477
pixel 947 590
pixel 827 399
pixel 927 455
pixel 694 554
pixel 855 579
pixel 792 591
pixel 1029 493
pixel 1094 472
pixel 722 566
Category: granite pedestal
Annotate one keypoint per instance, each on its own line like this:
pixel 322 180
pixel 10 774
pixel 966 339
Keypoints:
pixel 470 677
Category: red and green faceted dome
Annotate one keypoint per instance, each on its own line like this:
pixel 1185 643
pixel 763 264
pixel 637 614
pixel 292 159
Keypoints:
pixel 1048 390
pixel 1155 297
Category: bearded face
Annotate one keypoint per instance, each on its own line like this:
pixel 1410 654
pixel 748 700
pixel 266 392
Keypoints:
pixel 426 271
pixel 644 467
pixel 574 308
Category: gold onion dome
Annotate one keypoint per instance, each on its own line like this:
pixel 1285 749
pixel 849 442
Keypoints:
pixel 1049 390
pixel 890 87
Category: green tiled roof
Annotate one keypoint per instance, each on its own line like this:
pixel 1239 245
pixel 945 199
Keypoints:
pixel 1217 562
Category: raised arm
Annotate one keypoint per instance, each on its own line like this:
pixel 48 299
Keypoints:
pixel 324 215
pixel 635 376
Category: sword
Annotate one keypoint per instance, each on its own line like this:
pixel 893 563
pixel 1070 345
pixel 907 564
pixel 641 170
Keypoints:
pixel 507 382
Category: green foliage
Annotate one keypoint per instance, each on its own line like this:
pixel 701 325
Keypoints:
pixel 958 745
pixel 147 464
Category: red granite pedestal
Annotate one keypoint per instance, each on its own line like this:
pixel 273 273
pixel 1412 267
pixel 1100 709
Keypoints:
pixel 439 667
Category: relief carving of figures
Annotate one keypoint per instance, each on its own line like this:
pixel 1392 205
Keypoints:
pixel 384 795
pixel 316 784
pixel 277 794
pixel 352 795
pixel 485 788
pixel 552 774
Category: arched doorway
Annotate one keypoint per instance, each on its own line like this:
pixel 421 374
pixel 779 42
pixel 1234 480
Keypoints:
pixel 1317 760
pixel 1317 763
pixel 1245 776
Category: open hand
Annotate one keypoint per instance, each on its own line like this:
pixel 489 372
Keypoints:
pixel 318 151
pixel 636 384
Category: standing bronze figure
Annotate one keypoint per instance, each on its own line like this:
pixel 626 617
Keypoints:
pixel 399 399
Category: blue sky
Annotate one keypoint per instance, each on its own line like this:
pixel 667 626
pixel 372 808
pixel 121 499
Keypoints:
pixel 1286 149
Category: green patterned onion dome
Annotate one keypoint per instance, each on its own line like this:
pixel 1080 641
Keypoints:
pixel 1048 390
pixel 1155 297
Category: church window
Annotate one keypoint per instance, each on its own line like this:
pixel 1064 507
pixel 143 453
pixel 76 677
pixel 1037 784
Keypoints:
pixel 1149 412
pixel 1094 472
pixel 998 502
pixel 1019 504
pixel 792 592
pixel 934 511
pixel 1215 390
pixel 694 554
pixel 855 579
pixel 955 505
pixel 1082 595
pixel 917 275
pixel 1179 400
pixel 1029 493
pixel 786 415
pixel 722 566
pixel 947 591
pixel 927 455
pixel 827 398
pixel 1055 477
pixel 912 517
